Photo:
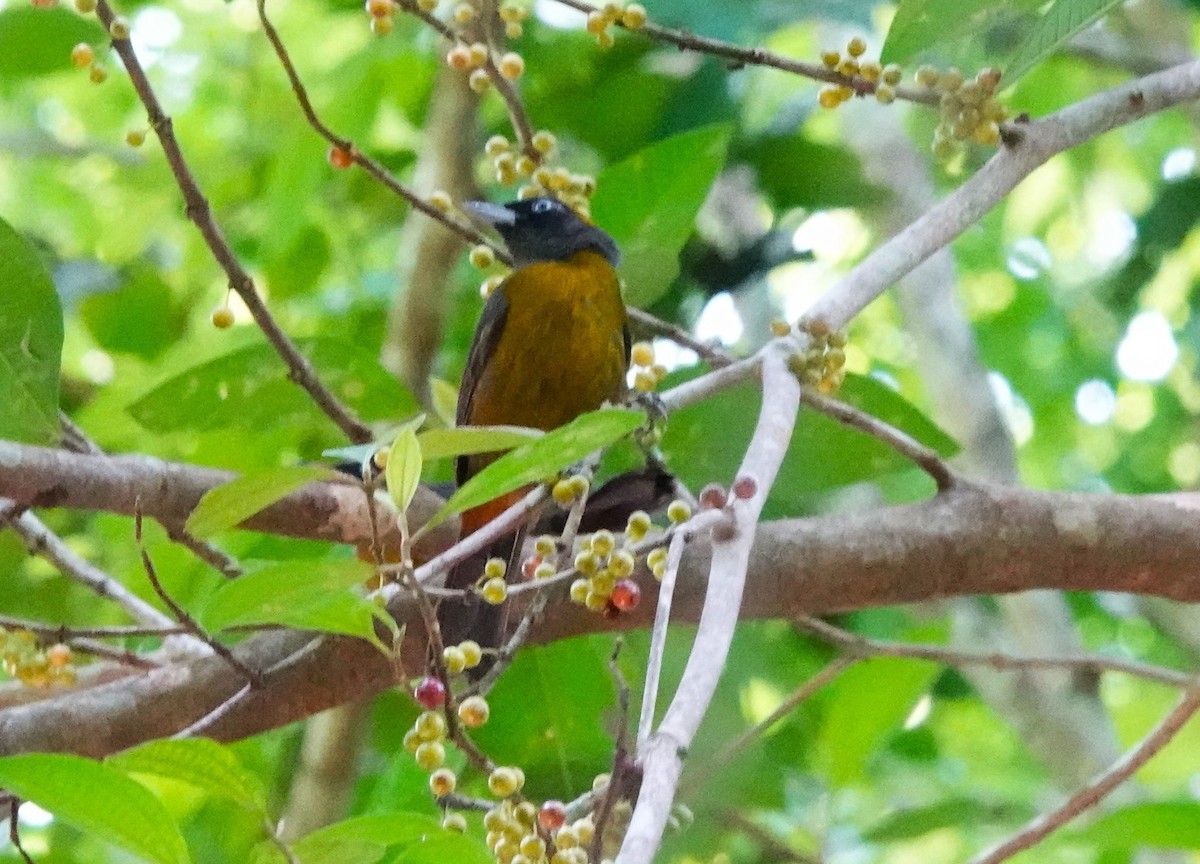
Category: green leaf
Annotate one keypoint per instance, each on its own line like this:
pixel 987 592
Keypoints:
pixel 648 203
pixel 1062 21
pixel 445 400
pixel 31 335
pixel 869 701
pixel 98 800
pixel 136 317
pixel 421 840
pixel 403 470
pixel 1166 824
pixel 542 458
pixel 822 454
pixel 250 388
pixel 232 503
pixel 38 41
pixel 200 762
pixel 467 440
pixel 305 595
pixel 832 176
pixel 921 24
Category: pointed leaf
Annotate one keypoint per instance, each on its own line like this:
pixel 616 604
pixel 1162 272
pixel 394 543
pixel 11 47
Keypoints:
pixel 403 470
pixel 420 839
pixel 305 595
pixel 31 335
pixel 37 41
pixel 98 800
pixel 200 762
pixel 1062 20
pixel 230 504
pixel 467 440
pixel 649 202
pixel 542 458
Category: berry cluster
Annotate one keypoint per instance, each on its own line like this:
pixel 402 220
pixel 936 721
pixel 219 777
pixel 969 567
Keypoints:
pixel 83 56
pixel 823 365
pixel 605 584
pixel 521 833
pixel 631 17
pixel 23 659
pixel 968 110
pixel 568 490
pixel 473 59
pixel 861 76
pixel 647 374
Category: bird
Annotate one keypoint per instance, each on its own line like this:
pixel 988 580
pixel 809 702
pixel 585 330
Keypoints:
pixel 551 343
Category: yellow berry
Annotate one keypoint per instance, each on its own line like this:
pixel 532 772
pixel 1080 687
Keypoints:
pixel 222 317
pixel 511 14
pixel 831 58
pixel 678 511
pixel 85 7
pixel 439 199
pixel 479 81
pixel 579 591
pixel 621 563
pixel 563 493
pixel 478 53
pixel 885 94
pixel 642 353
pixel 496 145
pixel 455 822
pixel 513 30
pixel 83 55
pixel 566 838
pixel 464 13
pixel 603 542
pixel 988 134
pixel 856 47
pixel 427 5
pixel 829 96
pixel 870 71
pixel 656 557
pixel 848 68
pixel 892 74
pixel 543 141
pixel 586 562
pixel 611 11
pixel 472 653
pixel 482 257
pixel 98 74
pixel 634 16
pixel 511 66
pixel 584 830
pixel 533 846
pixel 474 711
pixel 596 23
pixel 638 523
pixel 644 382
pixel 503 782
pixel 430 725
pixel 951 79
pixel 135 137
pixel 927 76
pixel 442 783
pixel 544 570
pixel 495 591
pixel 454 660
pixel 595 602
pixel 495 568
pixel 529 190
pixel 119 28
pixel 412 741
pixel 430 755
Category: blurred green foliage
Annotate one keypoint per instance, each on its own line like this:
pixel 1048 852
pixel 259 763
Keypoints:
pixel 895 761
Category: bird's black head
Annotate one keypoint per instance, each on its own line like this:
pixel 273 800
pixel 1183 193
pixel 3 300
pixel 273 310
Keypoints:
pixel 543 229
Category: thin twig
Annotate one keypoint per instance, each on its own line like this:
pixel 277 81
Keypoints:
pixel 371 166
pixel 14 828
pixel 861 647
pixel 739 56
pixel 658 637
pixel 713 354
pixel 925 458
pixel 620 764
pixel 252 676
pixel 199 211
pixel 64 632
pixel 44 543
pixel 1101 785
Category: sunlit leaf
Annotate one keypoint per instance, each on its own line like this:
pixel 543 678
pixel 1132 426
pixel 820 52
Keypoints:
pixel 37 41
pixel 542 458
pixel 412 837
pixel 403 468
pixel 467 440
pixel 31 335
pixel 1062 20
pixel 648 203
pixel 304 595
pixel 232 503
pixel 1165 824
pixel 98 800
pixel 200 762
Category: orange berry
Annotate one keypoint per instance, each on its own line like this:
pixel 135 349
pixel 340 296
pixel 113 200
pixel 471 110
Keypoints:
pixel 340 158
pixel 82 55
pixel 222 317
pixel 511 66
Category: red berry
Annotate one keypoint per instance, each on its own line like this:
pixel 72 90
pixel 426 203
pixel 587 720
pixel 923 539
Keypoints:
pixel 552 816
pixel 626 595
pixel 745 487
pixel 712 497
pixel 430 693
pixel 340 158
pixel 529 566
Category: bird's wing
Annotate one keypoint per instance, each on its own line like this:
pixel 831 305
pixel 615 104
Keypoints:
pixel 483 346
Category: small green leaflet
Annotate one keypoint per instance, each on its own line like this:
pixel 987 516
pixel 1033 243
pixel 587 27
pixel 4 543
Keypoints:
pixel 302 594
pixel 232 503
pixel 31 335
pixel 420 840
pixel 199 762
pixel 1062 21
pixel 466 440
pixel 542 458
pixel 99 800
pixel 403 469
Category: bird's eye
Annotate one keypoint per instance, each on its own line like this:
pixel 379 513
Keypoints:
pixel 543 205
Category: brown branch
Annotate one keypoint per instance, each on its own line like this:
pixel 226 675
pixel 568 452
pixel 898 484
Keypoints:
pixel 713 354
pixel 199 211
